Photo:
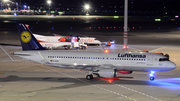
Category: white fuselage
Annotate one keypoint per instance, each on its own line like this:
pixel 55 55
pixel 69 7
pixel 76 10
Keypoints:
pixel 89 60
pixel 47 39
pixel 55 39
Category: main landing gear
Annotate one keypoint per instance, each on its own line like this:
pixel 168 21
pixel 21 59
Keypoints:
pixel 152 76
pixel 89 77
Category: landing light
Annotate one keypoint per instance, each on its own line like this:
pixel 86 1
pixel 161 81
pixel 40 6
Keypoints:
pixel 151 75
pixel 152 72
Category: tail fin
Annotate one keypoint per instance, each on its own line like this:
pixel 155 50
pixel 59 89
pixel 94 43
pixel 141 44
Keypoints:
pixel 28 41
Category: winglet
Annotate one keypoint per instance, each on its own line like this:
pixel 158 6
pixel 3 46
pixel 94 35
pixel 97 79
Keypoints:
pixel 28 41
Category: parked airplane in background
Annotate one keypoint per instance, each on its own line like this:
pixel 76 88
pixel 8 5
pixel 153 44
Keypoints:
pixel 59 38
pixel 49 41
pixel 55 42
pixel 103 64
pixel 68 42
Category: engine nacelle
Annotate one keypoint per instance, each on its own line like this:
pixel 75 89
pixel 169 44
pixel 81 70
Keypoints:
pixel 125 72
pixel 106 73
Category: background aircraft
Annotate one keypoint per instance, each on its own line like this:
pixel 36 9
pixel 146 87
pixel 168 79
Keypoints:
pixel 68 42
pixel 59 41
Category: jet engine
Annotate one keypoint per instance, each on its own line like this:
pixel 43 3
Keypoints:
pixel 125 72
pixel 106 73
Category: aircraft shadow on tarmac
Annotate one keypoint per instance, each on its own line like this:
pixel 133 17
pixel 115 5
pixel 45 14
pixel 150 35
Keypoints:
pixel 77 83
pixel 5 44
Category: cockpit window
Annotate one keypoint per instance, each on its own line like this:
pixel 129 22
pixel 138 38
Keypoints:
pixel 163 59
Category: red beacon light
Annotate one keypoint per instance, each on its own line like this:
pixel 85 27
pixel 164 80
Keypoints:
pixel 106 51
pixel 124 47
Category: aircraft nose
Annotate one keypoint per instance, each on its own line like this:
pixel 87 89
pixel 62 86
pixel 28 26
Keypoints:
pixel 171 65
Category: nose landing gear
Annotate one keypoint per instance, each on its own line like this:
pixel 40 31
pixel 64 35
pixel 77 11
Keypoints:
pixel 152 76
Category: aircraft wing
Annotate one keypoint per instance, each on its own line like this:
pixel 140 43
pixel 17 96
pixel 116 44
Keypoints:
pixel 57 44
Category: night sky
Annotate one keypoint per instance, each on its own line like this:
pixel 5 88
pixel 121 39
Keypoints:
pixel 137 6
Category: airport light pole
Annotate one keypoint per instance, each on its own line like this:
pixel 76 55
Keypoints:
pixel 49 2
pixel 5 2
pixel 125 47
pixel 87 8
pixel 8 6
pixel 16 6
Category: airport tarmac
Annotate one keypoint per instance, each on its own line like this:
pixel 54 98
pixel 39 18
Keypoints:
pixel 29 81
pixel 26 80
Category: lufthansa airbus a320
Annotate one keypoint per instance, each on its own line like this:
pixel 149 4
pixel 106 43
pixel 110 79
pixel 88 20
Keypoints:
pixel 103 64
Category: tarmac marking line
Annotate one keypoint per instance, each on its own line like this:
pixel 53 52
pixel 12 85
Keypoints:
pixel 129 89
pixel 7 54
pixel 80 80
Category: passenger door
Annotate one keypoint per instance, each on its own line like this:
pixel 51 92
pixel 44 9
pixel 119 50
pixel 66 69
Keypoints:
pixel 150 60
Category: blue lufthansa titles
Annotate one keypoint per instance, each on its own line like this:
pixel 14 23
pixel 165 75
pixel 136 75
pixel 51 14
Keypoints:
pixel 131 56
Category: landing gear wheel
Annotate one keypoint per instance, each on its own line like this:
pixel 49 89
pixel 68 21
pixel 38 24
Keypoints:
pixel 89 77
pixel 84 47
pixel 151 78
pixel 66 48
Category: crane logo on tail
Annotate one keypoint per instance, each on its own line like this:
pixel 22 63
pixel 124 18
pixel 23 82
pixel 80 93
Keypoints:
pixel 25 36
